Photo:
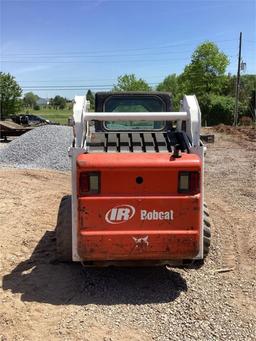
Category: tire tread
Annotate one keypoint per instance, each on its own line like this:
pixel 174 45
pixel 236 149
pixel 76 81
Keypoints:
pixel 64 230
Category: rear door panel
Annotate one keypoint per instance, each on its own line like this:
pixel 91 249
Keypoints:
pixel 137 228
pixel 129 221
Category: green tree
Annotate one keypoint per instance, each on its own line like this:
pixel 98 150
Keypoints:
pixel 229 85
pixel 91 98
pixel 217 109
pixel 247 87
pixel 206 72
pixel 10 93
pixel 58 102
pixel 173 85
pixel 30 100
pixel 131 83
pixel 252 105
pixel 169 84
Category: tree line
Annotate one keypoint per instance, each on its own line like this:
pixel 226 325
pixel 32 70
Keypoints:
pixel 11 100
pixel 205 76
pixel 31 101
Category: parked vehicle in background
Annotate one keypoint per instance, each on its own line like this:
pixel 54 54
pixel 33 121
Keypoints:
pixel 30 120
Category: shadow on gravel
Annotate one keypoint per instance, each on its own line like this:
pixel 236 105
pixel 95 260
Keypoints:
pixel 39 279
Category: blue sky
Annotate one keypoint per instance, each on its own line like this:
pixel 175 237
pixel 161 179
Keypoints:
pixel 57 44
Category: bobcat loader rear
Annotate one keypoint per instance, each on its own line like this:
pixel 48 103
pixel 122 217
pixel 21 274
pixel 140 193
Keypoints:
pixel 137 183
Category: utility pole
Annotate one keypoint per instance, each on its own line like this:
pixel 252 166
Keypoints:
pixel 238 81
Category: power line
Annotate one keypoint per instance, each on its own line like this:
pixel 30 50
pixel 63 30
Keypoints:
pixel 81 55
pixel 120 49
pixel 98 62
pixel 113 55
pixel 69 89
pixel 250 41
pixel 66 80
pixel 68 86
pixel 79 80
pixel 92 61
pixel 75 87
pixel 60 86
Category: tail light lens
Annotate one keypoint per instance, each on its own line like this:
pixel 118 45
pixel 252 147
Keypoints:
pixel 89 183
pixel 194 182
pixel 189 182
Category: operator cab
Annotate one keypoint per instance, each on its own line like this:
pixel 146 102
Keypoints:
pixel 132 102
pixel 135 136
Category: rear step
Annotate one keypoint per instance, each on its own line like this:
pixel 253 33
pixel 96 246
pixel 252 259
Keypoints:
pixel 138 142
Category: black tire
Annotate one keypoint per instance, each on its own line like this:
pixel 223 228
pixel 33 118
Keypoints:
pixel 64 230
pixel 206 212
pixel 198 263
pixel 207 232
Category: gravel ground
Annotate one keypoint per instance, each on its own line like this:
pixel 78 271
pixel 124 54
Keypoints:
pixel 42 147
pixel 42 299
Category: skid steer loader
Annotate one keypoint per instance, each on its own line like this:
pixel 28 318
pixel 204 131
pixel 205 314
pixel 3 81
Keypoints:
pixel 137 183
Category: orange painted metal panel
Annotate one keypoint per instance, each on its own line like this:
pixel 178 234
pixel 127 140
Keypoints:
pixel 136 160
pixel 119 172
pixel 146 228
pixel 129 221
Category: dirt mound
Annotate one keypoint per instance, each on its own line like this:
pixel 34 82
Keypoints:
pixel 248 133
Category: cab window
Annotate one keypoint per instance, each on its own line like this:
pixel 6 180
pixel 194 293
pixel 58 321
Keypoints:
pixel 134 104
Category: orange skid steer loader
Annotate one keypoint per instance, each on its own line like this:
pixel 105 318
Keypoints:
pixel 137 183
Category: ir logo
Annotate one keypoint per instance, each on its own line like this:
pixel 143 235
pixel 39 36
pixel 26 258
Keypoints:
pixel 120 214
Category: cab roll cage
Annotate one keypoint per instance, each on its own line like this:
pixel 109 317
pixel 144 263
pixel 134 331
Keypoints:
pixel 189 113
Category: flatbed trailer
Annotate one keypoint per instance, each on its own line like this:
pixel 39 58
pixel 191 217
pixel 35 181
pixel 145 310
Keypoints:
pixel 9 128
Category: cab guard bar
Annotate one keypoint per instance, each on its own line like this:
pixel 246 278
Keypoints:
pixel 130 116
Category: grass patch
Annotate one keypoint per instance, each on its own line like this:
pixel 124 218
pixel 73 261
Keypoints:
pixel 58 116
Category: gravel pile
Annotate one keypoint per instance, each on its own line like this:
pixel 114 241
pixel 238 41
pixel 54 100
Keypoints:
pixel 43 147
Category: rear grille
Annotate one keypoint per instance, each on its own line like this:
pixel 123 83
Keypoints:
pixel 136 142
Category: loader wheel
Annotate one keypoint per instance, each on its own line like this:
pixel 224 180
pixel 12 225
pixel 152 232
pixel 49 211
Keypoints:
pixel 64 230
pixel 198 263
pixel 207 232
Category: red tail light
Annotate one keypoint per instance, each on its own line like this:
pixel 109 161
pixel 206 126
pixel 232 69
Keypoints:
pixel 89 183
pixel 189 182
pixel 84 183
pixel 194 182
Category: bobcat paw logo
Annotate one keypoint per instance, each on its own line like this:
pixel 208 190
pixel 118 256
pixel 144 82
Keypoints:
pixel 140 242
